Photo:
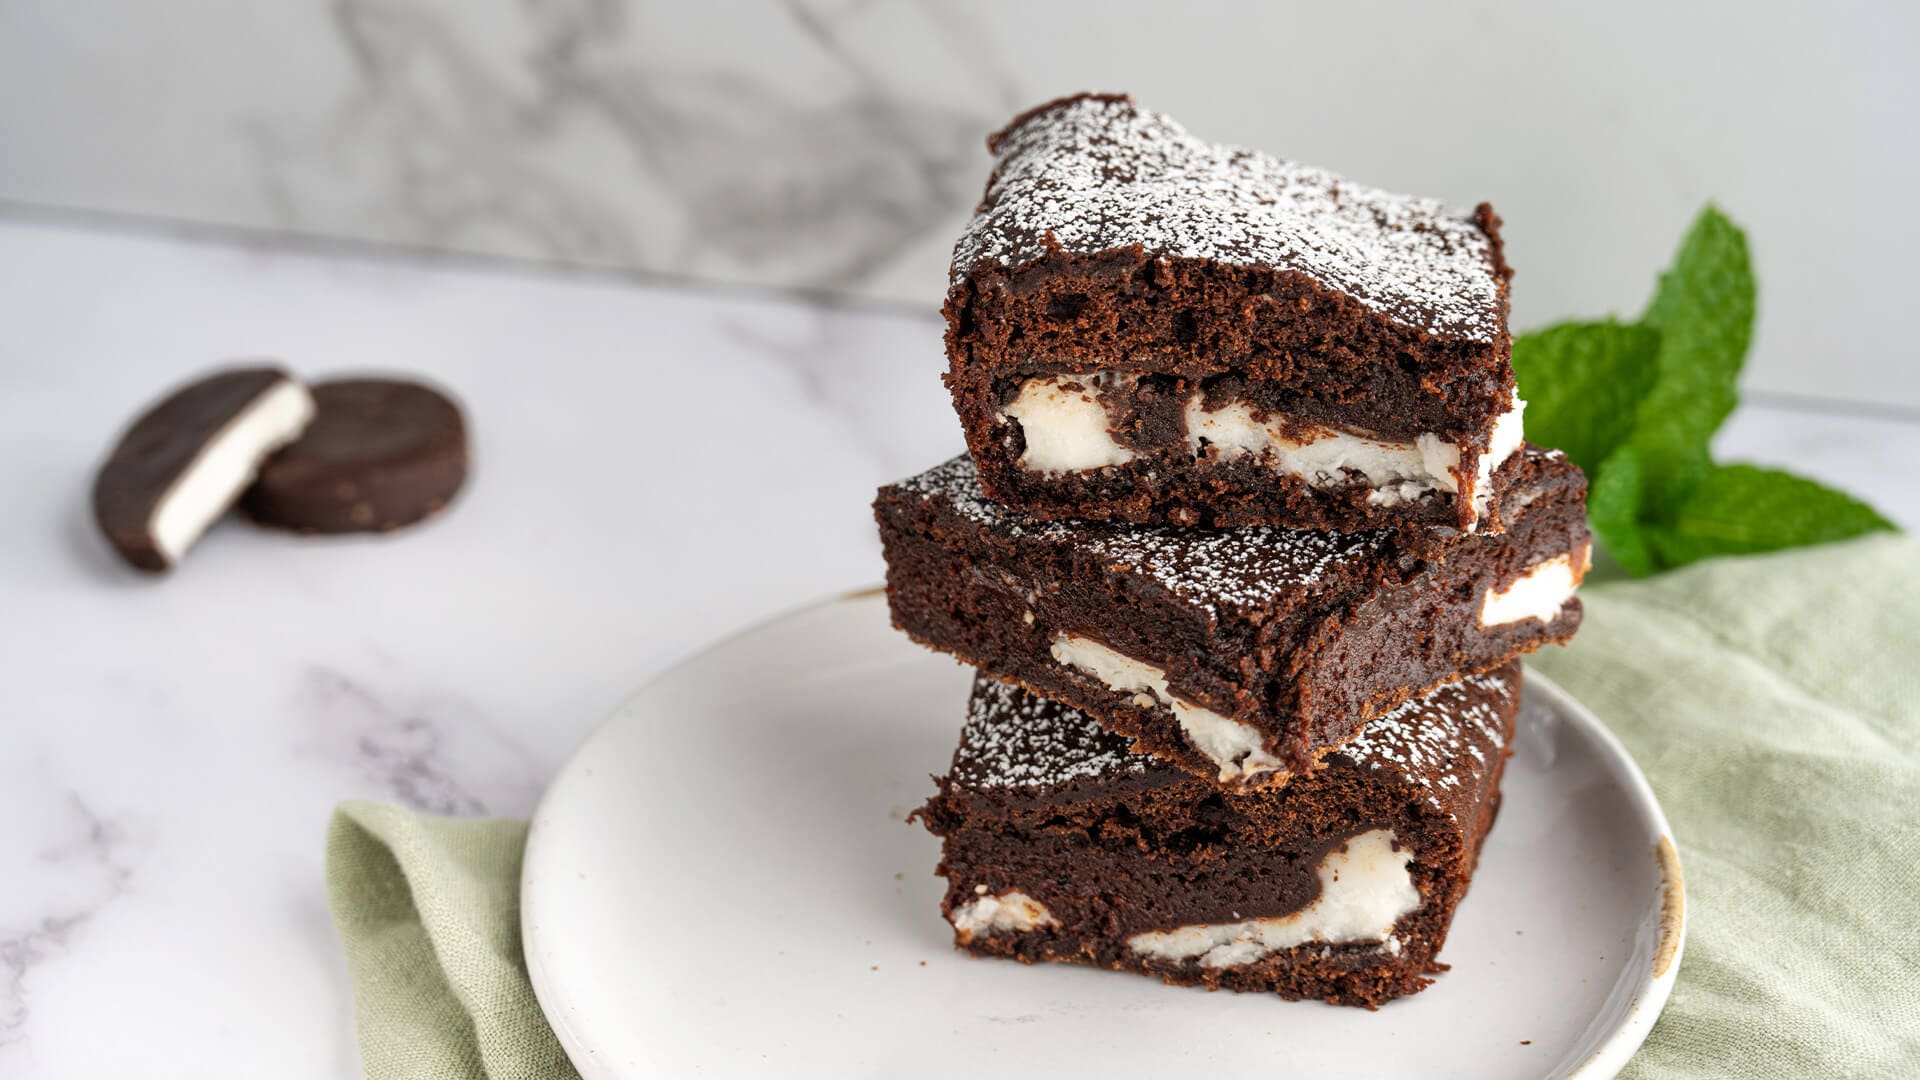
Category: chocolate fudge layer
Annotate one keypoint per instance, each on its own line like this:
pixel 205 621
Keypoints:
pixel 1060 844
pixel 1147 327
pixel 1240 655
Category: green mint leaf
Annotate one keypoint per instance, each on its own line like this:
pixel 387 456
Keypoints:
pixel 1742 509
pixel 1583 383
pixel 1613 509
pixel 1703 310
pixel 1636 405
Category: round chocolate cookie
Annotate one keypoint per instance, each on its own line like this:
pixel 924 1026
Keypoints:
pixel 380 454
pixel 181 465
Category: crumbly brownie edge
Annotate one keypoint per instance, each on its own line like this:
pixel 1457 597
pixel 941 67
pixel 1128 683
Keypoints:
pixel 1276 330
pixel 1108 234
pixel 987 596
pixel 1109 239
pixel 1447 844
pixel 1191 491
pixel 1097 172
pixel 1305 681
pixel 1405 638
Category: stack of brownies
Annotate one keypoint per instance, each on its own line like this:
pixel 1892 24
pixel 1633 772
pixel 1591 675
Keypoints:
pixel 1244 550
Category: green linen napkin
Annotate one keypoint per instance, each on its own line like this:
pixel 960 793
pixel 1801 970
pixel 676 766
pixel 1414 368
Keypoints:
pixel 428 910
pixel 1773 701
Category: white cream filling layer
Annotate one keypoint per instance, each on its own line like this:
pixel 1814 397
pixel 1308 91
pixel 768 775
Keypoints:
pixel 1396 471
pixel 226 465
pixel 1008 912
pixel 1509 434
pixel 1067 430
pixel 1235 747
pixel 1539 593
pixel 1365 888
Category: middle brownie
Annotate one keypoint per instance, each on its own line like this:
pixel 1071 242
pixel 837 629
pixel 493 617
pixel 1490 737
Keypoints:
pixel 1241 655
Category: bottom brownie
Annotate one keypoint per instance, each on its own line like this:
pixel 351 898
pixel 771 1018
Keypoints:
pixel 1060 844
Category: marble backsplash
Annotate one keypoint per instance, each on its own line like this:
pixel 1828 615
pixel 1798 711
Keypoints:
pixel 575 147
pixel 790 144
pixel 837 144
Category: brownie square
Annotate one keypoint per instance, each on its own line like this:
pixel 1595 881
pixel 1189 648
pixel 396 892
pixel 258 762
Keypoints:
pixel 1240 655
pixel 1060 844
pixel 1147 327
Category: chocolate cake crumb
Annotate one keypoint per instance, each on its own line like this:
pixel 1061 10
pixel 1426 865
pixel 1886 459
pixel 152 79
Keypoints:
pixel 1241 655
pixel 1190 314
pixel 1059 844
pixel 1097 172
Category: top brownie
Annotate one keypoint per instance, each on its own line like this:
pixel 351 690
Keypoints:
pixel 1147 327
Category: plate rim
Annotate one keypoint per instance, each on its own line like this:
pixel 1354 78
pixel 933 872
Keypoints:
pixel 1642 1010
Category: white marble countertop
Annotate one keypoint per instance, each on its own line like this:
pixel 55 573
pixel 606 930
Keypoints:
pixel 173 747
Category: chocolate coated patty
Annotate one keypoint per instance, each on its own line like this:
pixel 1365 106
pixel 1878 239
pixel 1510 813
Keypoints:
pixel 380 454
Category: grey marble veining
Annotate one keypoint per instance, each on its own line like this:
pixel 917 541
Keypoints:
pixel 444 142
pixel 439 755
pixel 92 861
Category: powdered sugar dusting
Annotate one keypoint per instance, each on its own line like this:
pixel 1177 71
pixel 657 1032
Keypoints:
pixel 958 483
pixel 1014 739
pixel 1094 174
pixel 1446 740
pixel 1442 743
pixel 1244 569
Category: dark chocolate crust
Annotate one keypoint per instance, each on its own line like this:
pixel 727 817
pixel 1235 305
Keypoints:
pixel 380 454
pixel 1041 801
pixel 1300 635
pixel 158 449
pixel 1111 240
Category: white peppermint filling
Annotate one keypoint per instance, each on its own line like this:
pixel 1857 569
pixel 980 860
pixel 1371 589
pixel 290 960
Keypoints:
pixel 1509 432
pixel 1365 888
pixel 1067 430
pixel 1008 912
pixel 226 465
pixel 1509 435
pixel 1539 593
pixel 1397 470
pixel 1237 748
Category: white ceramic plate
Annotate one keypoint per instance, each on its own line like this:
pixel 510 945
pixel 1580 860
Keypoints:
pixel 722 881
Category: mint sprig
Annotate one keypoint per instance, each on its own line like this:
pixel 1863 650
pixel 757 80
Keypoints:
pixel 1636 405
pixel 1583 383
